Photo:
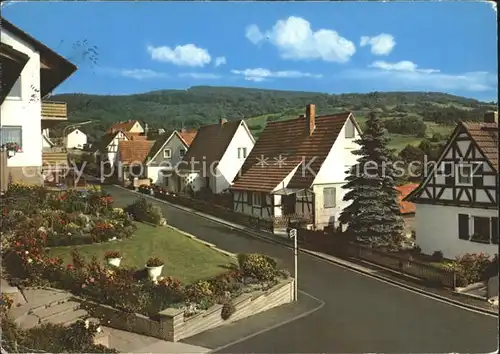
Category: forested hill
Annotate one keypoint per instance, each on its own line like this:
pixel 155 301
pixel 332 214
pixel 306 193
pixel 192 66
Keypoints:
pixel 204 104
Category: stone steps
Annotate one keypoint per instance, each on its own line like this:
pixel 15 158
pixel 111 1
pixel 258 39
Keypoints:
pixel 47 314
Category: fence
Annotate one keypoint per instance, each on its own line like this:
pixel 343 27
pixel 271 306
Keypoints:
pixel 332 244
pixel 222 212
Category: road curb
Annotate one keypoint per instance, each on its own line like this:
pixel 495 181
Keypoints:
pixel 344 264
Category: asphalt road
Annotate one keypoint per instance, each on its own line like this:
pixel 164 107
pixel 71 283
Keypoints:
pixel 360 314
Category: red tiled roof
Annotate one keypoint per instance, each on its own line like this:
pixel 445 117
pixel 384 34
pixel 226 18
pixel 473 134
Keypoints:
pixel 404 206
pixel 124 126
pixel 210 143
pixel 188 136
pixel 135 136
pixel 290 140
pixel 134 150
pixel 486 137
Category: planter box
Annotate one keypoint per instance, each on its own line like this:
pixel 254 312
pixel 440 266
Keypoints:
pixel 171 324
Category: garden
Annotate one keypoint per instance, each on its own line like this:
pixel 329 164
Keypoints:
pixel 128 258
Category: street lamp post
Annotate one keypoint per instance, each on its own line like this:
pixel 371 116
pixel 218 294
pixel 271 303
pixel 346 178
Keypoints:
pixel 293 234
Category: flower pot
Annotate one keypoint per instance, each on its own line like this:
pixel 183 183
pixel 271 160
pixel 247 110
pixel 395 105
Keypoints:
pixel 114 261
pixel 154 272
pixel 11 153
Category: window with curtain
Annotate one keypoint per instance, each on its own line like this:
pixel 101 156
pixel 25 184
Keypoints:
pixel 329 198
pixel 12 134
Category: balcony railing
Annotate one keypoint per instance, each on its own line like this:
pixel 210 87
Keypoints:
pixel 54 110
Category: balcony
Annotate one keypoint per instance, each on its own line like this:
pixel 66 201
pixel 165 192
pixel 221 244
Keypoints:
pixel 56 111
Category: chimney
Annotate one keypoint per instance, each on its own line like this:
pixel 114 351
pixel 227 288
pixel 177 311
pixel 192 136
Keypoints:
pixel 146 129
pixel 183 130
pixel 311 118
pixel 222 121
pixel 491 117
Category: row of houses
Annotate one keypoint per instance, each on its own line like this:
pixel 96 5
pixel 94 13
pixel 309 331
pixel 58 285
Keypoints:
pixel 296 167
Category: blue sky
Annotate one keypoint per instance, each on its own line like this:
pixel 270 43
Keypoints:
pixel 334 47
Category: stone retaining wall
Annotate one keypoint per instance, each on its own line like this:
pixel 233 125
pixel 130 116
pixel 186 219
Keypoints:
pixel 171 325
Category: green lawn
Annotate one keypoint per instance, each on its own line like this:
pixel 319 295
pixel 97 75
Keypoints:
pixel 185 259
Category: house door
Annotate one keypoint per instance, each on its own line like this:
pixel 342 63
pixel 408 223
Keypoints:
pixel 288 204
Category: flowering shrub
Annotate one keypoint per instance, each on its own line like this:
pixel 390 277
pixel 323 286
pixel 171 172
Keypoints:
pixel 154 262
pixel 112 254
pixel 101 231
pixel 257 266
pixel 471 268
pixel 51 338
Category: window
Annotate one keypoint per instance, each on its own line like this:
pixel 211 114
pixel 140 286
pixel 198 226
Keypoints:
pixel 16 90
pixel 167 153
pixel 329 198
pixel 482 231
pixel 249 198
pixel 494 231
pixel 350 130
pixel 464 175
pixel 12 134
pixel 257 201
pixel 182 152
pixel 242 153
pixel 463 226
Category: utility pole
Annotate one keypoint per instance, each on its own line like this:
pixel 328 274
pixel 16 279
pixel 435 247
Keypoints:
pixel 293 234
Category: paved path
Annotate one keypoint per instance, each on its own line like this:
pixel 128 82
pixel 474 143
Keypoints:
pixel 360 314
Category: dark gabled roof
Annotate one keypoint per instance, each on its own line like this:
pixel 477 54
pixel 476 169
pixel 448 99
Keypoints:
pixel 211 143
pixel 158 144
pixel 12 64
pixel 60 68
pixel 289 142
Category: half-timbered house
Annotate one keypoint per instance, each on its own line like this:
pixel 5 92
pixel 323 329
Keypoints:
pixel 297 169
pixel 457 205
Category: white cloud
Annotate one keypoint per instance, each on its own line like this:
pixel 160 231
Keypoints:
pixel 295 39
pixel 220 61
pixel 260 74
pixel 407 75
pixel 380 45
pixel 182 55
pixel 404 65
pixel 200 75
pixel 142 74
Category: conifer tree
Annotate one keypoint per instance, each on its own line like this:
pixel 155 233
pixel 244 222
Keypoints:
pixel 373 214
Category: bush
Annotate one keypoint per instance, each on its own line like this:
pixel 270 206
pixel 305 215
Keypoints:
pixel 142 210
pixel 471 268
pixel 227 310
pixel 257 266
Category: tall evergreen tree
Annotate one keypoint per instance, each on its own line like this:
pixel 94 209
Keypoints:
pixel 374 213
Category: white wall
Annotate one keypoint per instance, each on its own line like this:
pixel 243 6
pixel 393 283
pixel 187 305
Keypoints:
pixel 137 128
pixel 113 148
pixel 332 174
pixel 76 139
pixel 25 112
pixel 230 164
pixel 436 229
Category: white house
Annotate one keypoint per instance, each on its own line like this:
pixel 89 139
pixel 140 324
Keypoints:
pixel 215 156
pixel 30 71
pixel 456 204
pixel 167 152
pixel 76 139
pixel 297 167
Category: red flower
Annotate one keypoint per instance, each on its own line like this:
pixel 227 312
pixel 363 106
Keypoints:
pixel 69 267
